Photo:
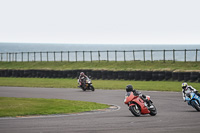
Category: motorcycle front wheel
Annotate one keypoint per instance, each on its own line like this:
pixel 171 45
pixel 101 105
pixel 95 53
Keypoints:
pixel 135 110
pixel 92 88
pixel 153 111
pixel 196 106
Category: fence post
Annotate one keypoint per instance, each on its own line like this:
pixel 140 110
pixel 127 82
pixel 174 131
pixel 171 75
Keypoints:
pixel 1 56
pixel 22 56
pixel 34 56
pixel 133 55
pixel 54 56
pixel 115 55
pixel 83 56
pixel 99 55
pixel 144 55
pixel 196 54
pixel 124 56
pixel 15 57
pixel 47 56
pixel 61 54
pixel 91 55
pixel 41 56
pixel 151 55
pixel 6 56
pixel 28 56
pixel 76 55
pixel 185 55
pixel 107 56
pixel 68 55
pixel 9 59
pixel 12 57
pixel 173 55
pixel 164 55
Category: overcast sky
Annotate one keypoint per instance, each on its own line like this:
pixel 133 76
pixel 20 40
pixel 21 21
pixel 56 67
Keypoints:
pixel 100 21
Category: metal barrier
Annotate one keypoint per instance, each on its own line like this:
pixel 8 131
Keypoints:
pixel 113 55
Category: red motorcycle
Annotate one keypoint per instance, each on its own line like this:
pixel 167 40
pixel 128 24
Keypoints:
pixel 137 106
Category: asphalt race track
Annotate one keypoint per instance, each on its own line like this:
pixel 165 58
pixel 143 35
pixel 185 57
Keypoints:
pixel 174 115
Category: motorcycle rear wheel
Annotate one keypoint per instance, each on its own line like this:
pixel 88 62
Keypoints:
pixel 83 88
pixel 135 110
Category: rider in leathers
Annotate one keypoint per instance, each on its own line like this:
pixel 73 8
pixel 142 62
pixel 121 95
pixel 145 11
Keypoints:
pixel 82 75
pixel 129 89
pixel 186 89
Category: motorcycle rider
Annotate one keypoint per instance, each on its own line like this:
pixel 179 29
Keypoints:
pixel 82 76
pixel 129 89
pixel 187 89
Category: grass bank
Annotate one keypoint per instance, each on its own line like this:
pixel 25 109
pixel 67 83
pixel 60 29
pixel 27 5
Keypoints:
pixel 10 106
pixel 104 65
pixel 98 84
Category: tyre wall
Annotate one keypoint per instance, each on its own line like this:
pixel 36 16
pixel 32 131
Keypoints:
pixel 106 74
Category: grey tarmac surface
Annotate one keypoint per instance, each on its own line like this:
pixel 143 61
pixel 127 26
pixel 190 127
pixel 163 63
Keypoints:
pixel 174 115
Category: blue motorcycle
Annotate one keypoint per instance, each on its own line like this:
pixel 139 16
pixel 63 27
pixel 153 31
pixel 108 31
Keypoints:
pixel 193 100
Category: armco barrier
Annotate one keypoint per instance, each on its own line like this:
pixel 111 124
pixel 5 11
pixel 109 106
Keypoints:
pixel 105 74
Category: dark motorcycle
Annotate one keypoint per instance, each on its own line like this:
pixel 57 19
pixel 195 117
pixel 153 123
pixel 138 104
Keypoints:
pixel 86 84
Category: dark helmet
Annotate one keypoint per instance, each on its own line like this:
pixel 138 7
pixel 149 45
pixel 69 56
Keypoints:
pixel 129 88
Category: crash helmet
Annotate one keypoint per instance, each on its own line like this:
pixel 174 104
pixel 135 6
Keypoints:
pixel 82 73
pixel 184 85
pixel 129 88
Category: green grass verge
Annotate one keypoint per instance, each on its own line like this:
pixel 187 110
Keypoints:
pixel 104 65
pixel 98 84
pixel 10 106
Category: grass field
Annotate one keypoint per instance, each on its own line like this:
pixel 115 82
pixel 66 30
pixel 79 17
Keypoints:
pixel 14 105
pixel 104 65
pixel 98 84
pixel 10 106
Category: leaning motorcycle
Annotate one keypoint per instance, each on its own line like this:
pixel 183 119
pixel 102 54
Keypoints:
pixel 137 106
pixel 193 100
pixel 86 84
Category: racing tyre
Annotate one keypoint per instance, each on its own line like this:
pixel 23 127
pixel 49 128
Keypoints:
pixel 83 89
pixel 153 110
pixel 135 110
pixel 92 88
pixel 196 106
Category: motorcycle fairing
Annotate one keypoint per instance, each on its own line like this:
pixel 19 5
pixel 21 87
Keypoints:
pixel 131 100
pixel 192 97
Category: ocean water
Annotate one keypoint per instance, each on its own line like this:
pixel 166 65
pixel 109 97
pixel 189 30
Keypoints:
pixel 45 52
